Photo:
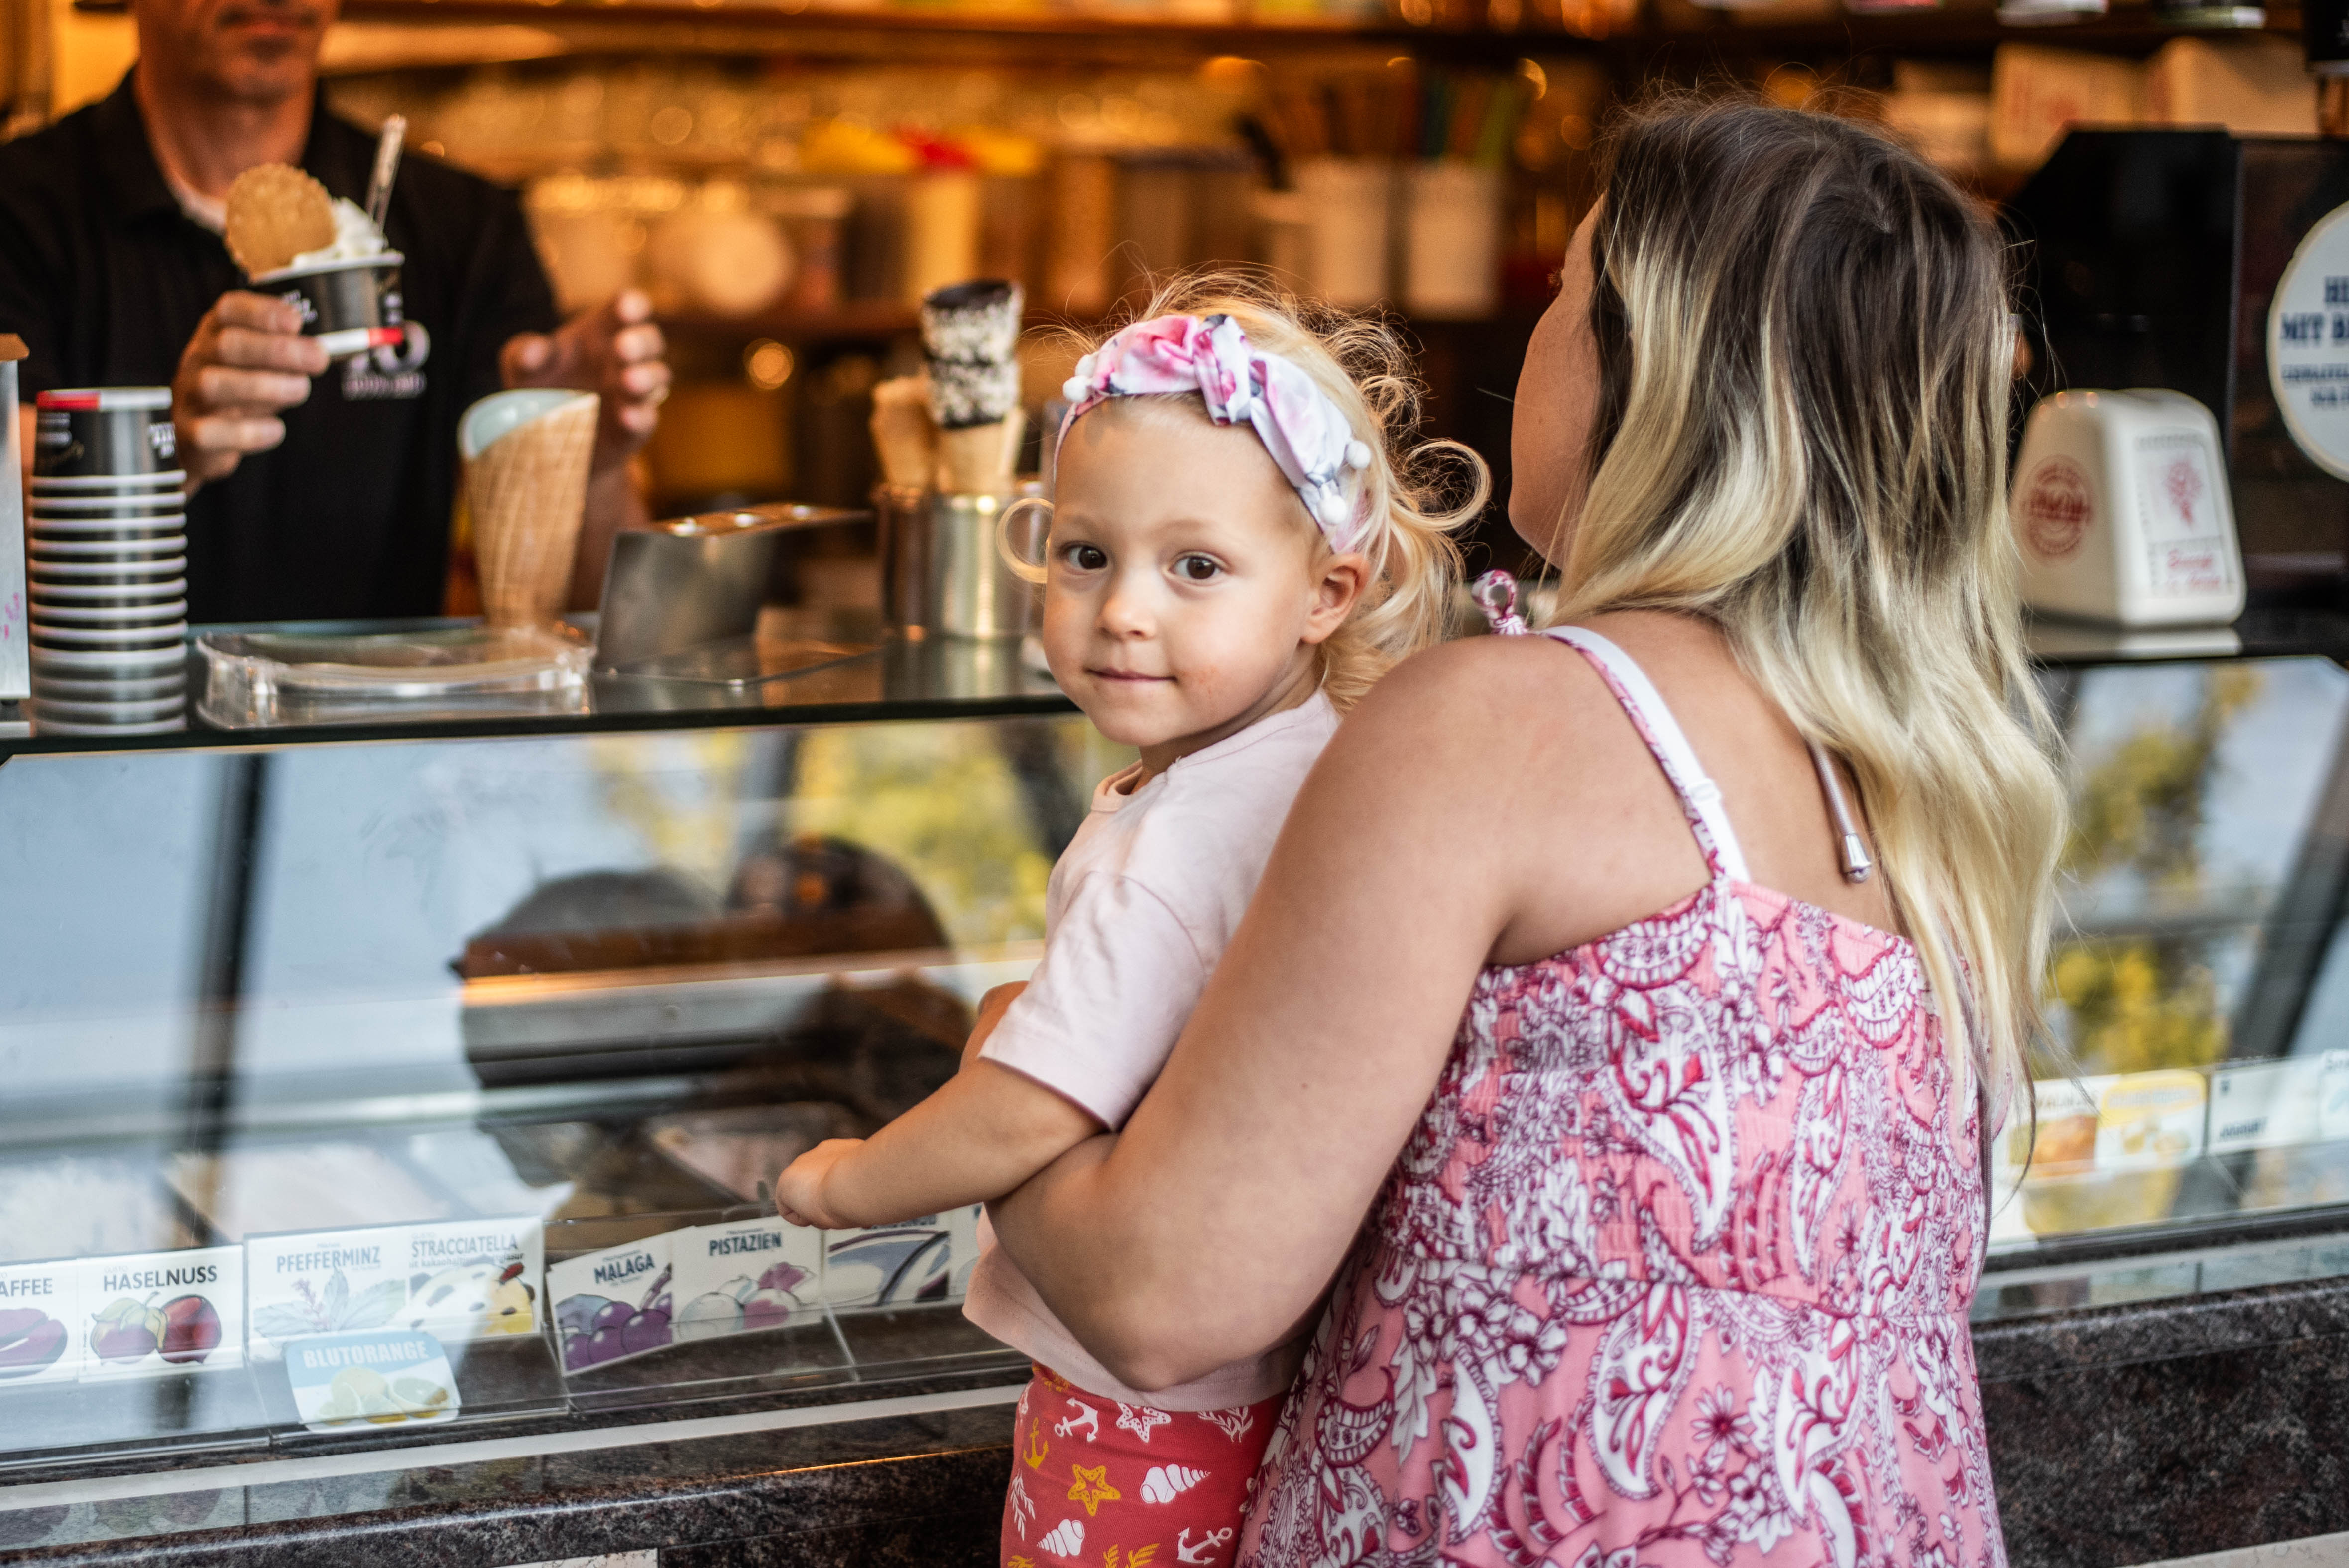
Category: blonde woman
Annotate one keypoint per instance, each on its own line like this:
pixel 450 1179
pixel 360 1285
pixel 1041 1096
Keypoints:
pixel 1628 1095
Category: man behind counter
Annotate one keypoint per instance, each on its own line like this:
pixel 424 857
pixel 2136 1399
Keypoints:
pixel 323 491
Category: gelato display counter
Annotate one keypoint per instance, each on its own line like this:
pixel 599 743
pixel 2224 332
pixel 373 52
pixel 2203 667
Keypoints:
pixel 390 1109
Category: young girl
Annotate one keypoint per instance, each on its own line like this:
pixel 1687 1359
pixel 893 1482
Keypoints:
pixel 1235 556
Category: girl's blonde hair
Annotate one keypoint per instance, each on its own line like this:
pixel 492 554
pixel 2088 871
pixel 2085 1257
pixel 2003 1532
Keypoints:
pixel 1363 367
pixel 1805 363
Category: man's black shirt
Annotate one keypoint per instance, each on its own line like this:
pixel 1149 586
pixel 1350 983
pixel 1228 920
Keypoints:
pixel 106 278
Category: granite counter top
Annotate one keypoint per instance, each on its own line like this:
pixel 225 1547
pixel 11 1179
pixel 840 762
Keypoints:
pixel 916 1478
pixel 2119 1435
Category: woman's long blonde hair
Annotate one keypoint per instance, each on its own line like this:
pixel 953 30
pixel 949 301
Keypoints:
pixel 1415 495
pixel 1804 353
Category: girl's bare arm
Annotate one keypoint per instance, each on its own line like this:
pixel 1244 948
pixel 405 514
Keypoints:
pixel 986 1131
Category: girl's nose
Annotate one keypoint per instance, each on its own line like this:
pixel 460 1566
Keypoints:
pixel 1124 612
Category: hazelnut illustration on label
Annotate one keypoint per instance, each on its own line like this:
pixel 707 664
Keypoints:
pixel 183 1330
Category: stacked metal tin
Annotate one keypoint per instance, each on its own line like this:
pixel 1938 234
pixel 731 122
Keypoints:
pixel 106 563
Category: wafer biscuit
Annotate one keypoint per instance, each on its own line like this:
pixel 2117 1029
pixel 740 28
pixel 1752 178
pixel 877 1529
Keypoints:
pixel 275 213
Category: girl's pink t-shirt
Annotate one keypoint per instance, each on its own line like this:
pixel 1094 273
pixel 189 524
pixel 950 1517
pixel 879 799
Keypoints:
pixel 1138 911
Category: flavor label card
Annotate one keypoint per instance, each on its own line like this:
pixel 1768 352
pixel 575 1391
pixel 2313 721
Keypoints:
pixel 384 1377
pixel 2333 1095
pixel 41 1324
pixel 2148 1120
pixel 458 1279
pixel 152 1315
pixel 614 1303
pixel 751 1274
pixel 323 1281
pixel 924 1259
pixel 471 1279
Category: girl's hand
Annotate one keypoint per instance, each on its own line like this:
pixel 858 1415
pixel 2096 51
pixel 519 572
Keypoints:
pixel 800 1189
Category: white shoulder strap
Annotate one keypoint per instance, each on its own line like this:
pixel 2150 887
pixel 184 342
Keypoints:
pixel 1700 796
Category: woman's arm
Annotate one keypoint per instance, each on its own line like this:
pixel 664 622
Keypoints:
pixel 1209 1227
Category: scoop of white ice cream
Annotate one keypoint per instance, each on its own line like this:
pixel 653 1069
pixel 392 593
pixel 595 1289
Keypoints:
pixel 354 237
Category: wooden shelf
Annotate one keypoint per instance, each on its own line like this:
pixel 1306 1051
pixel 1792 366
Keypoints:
pixel 2132 31
pixel 1013 37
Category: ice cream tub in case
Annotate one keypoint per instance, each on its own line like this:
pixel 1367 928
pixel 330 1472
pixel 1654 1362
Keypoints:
pixel 155 1315
pixel 614 1303
pixel 383 1377
pixel 40 1323
pixel 751 1274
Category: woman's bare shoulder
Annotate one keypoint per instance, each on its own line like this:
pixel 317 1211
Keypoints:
pixel 1471 706
pixel 1504 685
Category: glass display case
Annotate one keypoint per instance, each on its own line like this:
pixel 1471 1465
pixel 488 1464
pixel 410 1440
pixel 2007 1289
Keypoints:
pixel 357 1091
pixel 2197 1137
pixel 366 1083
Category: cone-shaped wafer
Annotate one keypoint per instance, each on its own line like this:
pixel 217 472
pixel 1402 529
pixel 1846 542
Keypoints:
pixel 527 491
pixel 903 431
pixel 981 459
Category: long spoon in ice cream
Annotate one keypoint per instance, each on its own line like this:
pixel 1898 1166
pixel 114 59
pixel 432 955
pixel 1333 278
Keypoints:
pixel 387 163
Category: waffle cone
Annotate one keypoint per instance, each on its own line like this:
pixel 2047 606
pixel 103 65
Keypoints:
pixel 979 461
pixel 903 432
pixel 527 491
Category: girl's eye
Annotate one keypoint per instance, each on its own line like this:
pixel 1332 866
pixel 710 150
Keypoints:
pixel 1197 568
pixel 1086 557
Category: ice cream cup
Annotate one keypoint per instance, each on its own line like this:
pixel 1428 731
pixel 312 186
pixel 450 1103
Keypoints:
pixel 141 573
pixel 87 504
pixel 108 639
pixel 351 305
pixel 135 685
pixel 111 710
pixel 66 485
pixel 45 723
pixel 48 615
pixel 123 592
pixel 110 664
pixel 145 535
pixel 103 433
pixel 136 554
pixel 526 454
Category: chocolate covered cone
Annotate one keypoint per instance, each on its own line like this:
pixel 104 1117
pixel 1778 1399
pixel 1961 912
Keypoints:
pixel 527 492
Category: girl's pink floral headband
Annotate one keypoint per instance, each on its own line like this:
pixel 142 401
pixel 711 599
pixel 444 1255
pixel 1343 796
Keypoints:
pixel 1305 432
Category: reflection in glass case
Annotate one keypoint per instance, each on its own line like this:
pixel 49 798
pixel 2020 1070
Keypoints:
pixel 2198 986
pixel 368 1088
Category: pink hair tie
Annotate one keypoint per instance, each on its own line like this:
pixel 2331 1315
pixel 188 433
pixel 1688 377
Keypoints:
pixel 1304 432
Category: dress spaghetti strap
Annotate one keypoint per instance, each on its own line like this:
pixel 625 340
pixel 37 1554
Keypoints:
pixel 1644 706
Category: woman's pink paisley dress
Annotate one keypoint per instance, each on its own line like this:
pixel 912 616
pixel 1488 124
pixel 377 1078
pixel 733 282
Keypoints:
pixel 1675 1268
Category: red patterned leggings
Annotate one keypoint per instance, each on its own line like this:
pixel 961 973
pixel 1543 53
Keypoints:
pixel 1127 1485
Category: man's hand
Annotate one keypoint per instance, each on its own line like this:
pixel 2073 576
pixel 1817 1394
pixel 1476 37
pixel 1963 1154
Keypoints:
pixel 799 1190
pixel 615 352
pixel 246 363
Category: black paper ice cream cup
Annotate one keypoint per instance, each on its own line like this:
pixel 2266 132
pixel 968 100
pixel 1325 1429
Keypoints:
pixel 351 306
pixel 100 432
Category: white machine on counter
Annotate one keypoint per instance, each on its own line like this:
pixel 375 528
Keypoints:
pixel 2122 509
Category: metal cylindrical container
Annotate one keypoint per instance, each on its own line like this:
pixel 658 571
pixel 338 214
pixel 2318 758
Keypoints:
pixel 941 574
